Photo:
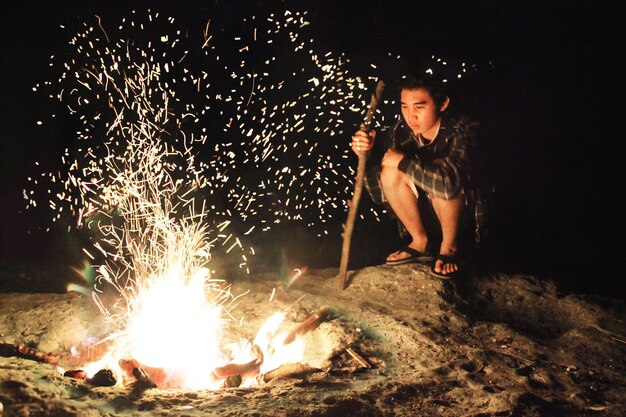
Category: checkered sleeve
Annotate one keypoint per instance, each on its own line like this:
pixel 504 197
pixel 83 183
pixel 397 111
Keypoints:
pixel 372 183
pixel 373 168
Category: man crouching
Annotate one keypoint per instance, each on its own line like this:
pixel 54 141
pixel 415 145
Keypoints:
pixel 425 159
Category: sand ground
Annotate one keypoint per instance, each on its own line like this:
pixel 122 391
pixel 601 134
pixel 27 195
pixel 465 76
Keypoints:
pixel 481 345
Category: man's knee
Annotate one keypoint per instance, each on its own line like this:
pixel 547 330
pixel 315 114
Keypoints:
pixel 391 177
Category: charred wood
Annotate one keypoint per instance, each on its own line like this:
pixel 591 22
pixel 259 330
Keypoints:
pixel 290 370
pixel 153 376
pixel 76 374
pixel 24 352
pixel 143 379
pixel 103 378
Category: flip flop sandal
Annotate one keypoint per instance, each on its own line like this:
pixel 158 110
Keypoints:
pixel 415 257
pixel 447 259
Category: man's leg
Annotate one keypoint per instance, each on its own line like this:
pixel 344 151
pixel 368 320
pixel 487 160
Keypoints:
pixel 403 201
pixel 449 215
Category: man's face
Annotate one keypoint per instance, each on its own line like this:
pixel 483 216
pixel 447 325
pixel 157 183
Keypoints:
pixel 420 112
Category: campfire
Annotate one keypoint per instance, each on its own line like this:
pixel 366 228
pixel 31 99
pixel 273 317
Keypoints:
pixel 168 313
pixel 140 191
pixel 271 354
pixel 277 351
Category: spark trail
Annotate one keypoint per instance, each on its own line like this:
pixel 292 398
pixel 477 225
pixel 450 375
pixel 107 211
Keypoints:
pixel 259 115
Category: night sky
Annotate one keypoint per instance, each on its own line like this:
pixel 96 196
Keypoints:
pixel 550 105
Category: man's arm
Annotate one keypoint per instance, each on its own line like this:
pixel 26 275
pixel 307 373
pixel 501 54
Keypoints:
pixel 442 177
pixel 365 141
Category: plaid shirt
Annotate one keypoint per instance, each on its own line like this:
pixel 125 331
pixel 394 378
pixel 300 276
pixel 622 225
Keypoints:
pixel 440 168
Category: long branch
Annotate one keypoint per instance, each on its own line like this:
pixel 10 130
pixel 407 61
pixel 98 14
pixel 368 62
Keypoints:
pixel 358 190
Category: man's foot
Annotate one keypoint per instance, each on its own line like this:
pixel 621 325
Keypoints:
pixel 408 255
pixel 445 266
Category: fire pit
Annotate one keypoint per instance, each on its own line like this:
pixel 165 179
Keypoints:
pixel 292 344
pixel 273 355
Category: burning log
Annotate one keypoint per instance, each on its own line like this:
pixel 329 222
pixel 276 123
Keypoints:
pixel 243 369
pixel 145 376
pixel 290 370
pixel 19 351
pixel 311 323
pixel 76 374
pixel 143 379
pixel 233 369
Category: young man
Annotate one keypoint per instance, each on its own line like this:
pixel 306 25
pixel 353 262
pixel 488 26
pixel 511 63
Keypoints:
pixel 424 156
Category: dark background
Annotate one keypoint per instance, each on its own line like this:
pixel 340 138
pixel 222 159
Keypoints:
pixel 551 110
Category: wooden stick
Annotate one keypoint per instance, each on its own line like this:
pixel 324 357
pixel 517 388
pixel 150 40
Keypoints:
pixel 311 323
pixel 358 190
pixel 358 358
pixel 25 352
pixel 144 375
pixel 289 370
pixel 143 379
pixel 231 369
pixel 241 369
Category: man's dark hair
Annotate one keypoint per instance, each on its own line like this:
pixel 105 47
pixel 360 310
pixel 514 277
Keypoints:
pixel 435 88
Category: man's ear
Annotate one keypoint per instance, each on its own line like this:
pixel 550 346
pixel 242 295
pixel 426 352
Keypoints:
pixel 445 104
